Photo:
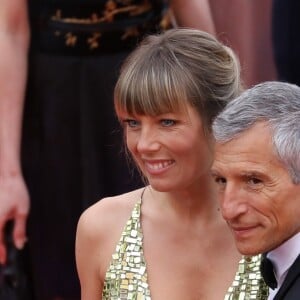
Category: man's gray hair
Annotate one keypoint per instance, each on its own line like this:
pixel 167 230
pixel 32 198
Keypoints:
pixel 277 104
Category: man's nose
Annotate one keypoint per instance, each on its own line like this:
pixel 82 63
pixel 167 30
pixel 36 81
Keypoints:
pixel 233 202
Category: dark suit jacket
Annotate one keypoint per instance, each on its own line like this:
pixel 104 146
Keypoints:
pixel 290 289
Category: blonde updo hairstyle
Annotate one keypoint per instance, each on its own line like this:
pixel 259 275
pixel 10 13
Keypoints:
pixel 181 66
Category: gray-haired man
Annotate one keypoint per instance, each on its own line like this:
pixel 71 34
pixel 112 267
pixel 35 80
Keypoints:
pixel 257 169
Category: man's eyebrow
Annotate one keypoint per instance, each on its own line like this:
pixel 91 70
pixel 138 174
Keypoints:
pixel 249 173
pixel 214 172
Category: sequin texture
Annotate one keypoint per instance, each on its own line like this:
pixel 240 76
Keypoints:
pixel 126 277
pixel 248 283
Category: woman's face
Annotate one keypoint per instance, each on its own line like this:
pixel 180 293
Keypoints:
pixel 170 149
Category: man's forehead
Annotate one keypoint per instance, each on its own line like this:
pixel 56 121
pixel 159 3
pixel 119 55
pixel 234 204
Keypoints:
pixel 250 152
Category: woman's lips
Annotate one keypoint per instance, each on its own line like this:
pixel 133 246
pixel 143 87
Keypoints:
pixel 157 167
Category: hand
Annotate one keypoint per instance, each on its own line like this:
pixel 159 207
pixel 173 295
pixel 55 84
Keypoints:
pixel 14 205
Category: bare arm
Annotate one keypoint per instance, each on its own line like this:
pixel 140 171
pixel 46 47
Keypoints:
pixel 98 231
pixel 194 14
pixel 88 256
pixel 14 39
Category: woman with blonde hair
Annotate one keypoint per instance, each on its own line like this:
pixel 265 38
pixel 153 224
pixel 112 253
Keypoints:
pixel 168 239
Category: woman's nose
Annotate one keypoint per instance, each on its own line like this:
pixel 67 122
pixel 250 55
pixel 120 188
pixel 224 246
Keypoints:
pixel 148 140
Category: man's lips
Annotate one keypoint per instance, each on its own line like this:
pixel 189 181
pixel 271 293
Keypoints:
pixel 243 230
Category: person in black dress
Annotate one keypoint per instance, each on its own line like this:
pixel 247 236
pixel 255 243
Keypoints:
pixel 286 39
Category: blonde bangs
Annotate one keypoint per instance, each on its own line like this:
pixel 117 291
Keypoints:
pixel 151 88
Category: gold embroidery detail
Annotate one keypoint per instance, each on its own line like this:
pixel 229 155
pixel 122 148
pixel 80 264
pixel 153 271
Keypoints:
pixel 111 10
pixel 71 39
pixel 93 41
pixel 130 32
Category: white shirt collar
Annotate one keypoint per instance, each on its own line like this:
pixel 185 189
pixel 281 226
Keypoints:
pixel 283 257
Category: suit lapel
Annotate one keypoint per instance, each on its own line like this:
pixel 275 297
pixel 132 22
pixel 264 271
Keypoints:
pixel 292 275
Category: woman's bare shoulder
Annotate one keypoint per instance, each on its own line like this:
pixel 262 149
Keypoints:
pixel 100 227
pixel 110 212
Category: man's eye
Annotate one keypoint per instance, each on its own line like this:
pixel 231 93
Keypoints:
pixel 254 181
pixel 167 122
pixel 220 180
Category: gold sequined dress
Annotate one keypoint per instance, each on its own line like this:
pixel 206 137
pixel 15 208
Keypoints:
pixel 126 277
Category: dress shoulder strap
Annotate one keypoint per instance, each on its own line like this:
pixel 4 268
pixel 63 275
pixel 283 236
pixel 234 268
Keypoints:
pixel 127 273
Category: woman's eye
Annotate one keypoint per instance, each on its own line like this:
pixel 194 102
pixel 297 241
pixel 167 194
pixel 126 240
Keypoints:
pixel 167 122
pixel 131 123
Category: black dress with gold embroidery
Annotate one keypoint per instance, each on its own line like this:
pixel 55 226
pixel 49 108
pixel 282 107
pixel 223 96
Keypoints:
pixel 72 144
pixel 95 26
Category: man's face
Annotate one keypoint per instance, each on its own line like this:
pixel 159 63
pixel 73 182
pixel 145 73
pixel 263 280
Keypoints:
pixel 258 199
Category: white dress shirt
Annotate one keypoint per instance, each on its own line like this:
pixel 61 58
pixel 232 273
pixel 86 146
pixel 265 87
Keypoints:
pixel 282 258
